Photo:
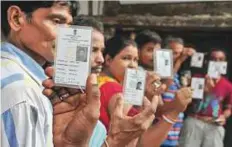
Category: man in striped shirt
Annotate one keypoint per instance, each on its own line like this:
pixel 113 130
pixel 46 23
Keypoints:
pixel 179 56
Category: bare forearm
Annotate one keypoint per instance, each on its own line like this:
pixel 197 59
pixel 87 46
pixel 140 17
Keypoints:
pixel 156 134
pixel 163 109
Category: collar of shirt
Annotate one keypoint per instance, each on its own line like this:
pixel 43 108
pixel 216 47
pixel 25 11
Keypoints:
pixel 11 52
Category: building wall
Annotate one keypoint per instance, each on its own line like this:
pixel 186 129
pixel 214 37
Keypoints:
pixel 168 9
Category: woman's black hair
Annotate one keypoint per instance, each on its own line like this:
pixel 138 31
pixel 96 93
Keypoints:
pixel 116 44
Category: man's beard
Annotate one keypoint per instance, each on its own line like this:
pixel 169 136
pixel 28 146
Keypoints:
pixel 96 69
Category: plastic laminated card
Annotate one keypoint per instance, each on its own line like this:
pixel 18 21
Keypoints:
pixel 197 60
pixel 72 56
pixel 198 84
pixel 134 86
pixel 163 63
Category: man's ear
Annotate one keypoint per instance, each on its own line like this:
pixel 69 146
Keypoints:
pixel 16 18
pixel 108 60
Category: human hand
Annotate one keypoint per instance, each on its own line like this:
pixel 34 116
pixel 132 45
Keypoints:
pixel 182 98
pixel 153 85
pixel 187 52
pixel 124 129
pixel 75 114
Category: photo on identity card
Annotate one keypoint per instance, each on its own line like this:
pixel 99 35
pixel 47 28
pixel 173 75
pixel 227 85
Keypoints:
pixel 214 69
pixel 198 84
pixel 163 63
pixel 197 60
pixel 72 56
pixel 134 86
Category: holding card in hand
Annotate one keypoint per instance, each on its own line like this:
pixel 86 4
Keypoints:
pixel 134 86
pixel 198 85
pixel 72 60
pixel 163 63
pixel 197 60
pixel 215 69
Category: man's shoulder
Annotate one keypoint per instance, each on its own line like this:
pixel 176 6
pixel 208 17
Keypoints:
pixel 13 75
pixel 17 86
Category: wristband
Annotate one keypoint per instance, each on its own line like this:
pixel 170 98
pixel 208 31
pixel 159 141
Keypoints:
pixel 171 121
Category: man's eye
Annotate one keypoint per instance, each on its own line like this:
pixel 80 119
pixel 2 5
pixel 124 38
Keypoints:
pixel 56 21
pixel 95 49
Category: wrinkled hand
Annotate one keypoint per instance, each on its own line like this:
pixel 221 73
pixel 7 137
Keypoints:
pixel 74 117
pixel 182 98
pixel 123 129
pixel 153 85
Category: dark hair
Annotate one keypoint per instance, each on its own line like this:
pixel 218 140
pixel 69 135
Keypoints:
pixel 217 50
pixel 117 44
pixel 147 36
pixel 171 39
pixel 89 21
pixel 30 6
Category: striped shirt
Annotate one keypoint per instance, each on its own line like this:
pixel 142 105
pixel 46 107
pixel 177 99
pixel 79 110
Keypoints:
pixel 169 95
pixel 26 114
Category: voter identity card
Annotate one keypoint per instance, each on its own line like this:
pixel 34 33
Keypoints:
pixel 134 86
pixel 163 63
pixel 197 60
pixel 223 66
pixel 72 57
pixel 198 84
pixel 215 69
